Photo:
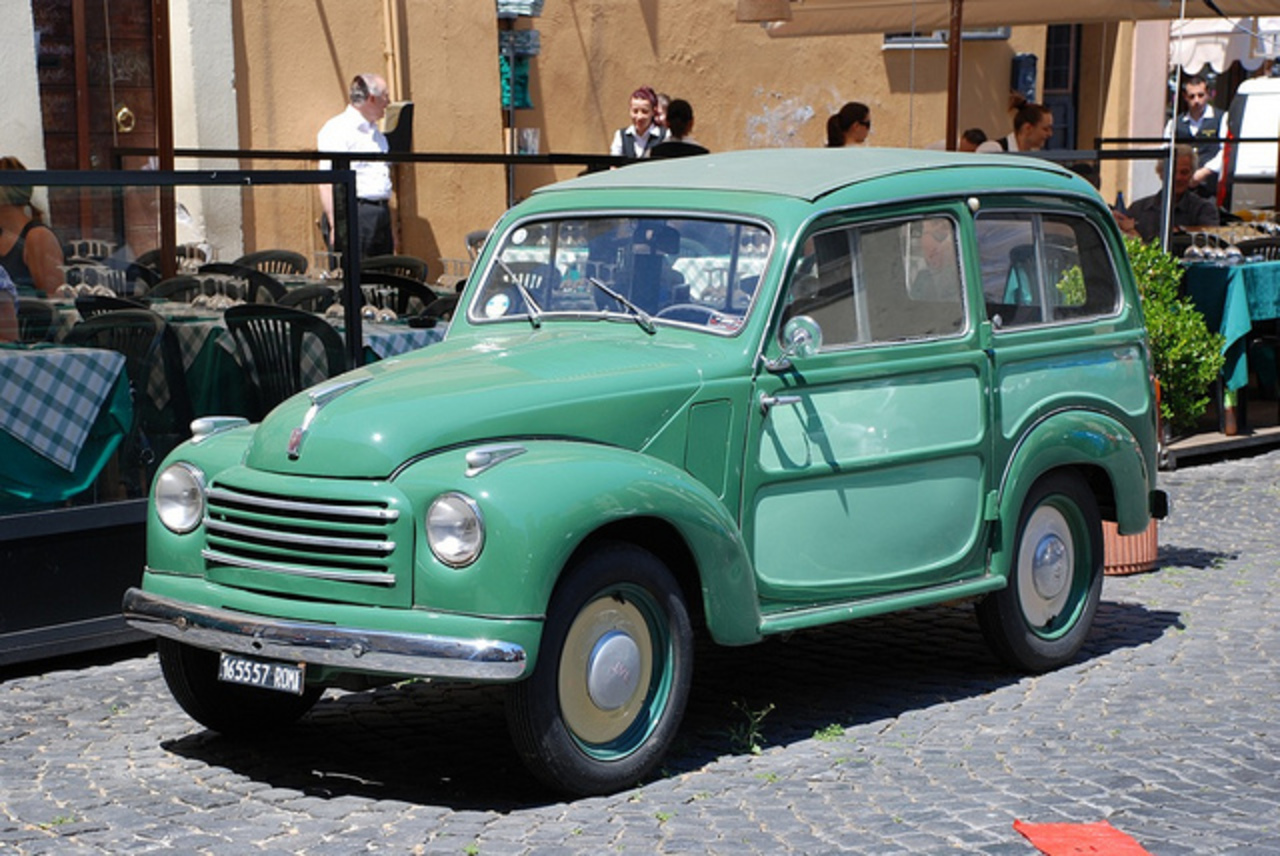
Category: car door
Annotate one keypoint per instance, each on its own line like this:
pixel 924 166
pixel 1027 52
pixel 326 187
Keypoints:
pixel 867 462
pixel 1052 297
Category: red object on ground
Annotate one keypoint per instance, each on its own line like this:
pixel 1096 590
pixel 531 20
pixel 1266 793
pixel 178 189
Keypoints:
pixel 1070 839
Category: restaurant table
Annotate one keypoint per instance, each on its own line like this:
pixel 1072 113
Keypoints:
pixel 1231 298
pixel 215 378
pixel 63 412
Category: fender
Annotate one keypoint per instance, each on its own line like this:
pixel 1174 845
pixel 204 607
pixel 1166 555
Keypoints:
pixel 1071 438
pixel 180 554
pixel 540 506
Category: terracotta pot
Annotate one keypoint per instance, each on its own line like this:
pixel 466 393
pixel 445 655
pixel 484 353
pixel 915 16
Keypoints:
pixel 1128 554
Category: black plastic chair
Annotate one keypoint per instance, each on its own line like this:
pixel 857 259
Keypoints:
pixel 311 298
pixel 275 261
pixel 263 287
pixel 406 266
pixel 89 272
pixel 272 341
pixel 183 287
pixel 162 411
pixel 182 252
pixel 37 320
pixel 89 305
pixel 442 308
pixel 403 295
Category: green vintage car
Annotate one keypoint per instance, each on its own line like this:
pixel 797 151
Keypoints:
pixel 734 395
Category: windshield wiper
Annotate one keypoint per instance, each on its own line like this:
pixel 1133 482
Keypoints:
pixel 534 312
pixel 642 317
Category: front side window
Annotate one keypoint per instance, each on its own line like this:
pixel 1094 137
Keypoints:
pixel 881 282
pixel 692 272
pixel 1041 269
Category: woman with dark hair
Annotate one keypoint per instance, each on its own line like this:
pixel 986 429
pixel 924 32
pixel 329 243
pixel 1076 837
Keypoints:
pixel 29 250
pixel 850 126
pixel 1032 126
pixel 679 142
pixel 636 140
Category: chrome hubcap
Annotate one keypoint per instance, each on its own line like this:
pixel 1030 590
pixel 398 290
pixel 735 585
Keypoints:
pixel 1046 566
pixel 1049 571
pixel 605 669
pixel 613 670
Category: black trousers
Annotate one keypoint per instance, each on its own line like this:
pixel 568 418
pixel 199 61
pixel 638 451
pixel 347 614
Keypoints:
pixel 375 230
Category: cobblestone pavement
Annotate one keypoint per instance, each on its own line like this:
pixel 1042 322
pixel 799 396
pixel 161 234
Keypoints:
pixel 893 735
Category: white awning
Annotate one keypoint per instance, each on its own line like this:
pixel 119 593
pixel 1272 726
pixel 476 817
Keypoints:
pixel 834 17
pixel 1219 42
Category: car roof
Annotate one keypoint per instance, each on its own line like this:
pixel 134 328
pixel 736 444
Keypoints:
pixel 809 174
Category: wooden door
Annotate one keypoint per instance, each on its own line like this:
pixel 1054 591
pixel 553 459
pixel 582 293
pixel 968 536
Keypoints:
pixel 97 94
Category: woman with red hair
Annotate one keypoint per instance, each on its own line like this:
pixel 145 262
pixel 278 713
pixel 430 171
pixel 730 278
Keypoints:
pixel 643 134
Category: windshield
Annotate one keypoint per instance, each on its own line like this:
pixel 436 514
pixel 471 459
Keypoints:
pixel 651 270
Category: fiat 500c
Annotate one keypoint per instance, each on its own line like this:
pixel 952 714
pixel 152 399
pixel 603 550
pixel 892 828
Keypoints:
pixel 734 395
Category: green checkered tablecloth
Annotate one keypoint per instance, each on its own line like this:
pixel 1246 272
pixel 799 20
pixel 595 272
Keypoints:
pixel 51 396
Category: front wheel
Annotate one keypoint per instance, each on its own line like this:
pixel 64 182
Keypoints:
pixel 613 672
pixel 1039 620
pixel 230 709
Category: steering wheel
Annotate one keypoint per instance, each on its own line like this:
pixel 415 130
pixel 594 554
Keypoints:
pixel 691 313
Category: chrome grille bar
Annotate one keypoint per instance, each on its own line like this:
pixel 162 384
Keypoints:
pixel 375 578
pixel 271 536
pixel 276 504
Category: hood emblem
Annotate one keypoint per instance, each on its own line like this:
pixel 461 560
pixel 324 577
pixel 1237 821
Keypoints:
pixel 320 396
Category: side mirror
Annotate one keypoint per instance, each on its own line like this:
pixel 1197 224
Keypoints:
pixel 803 338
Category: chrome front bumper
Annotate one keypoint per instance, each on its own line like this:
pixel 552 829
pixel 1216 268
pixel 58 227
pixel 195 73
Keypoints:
pixel 416 655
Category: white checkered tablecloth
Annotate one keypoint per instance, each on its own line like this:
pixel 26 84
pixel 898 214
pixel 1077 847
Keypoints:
pixel 50 397
pixel 390 340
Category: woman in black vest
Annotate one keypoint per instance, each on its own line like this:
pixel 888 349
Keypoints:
pixel 642 135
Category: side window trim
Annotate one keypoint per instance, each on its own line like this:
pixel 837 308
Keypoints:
pixel 1044 304
pixel 858 278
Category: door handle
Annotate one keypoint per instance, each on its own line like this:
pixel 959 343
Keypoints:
pixel 767 401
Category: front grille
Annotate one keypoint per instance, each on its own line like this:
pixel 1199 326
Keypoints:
pixel 270 536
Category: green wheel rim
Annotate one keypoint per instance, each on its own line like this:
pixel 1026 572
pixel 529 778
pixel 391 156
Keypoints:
pixel 1054 568
pixel 615 672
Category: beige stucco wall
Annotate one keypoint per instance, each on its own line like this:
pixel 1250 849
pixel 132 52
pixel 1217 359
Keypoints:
pixel 23 124
pixel 295 57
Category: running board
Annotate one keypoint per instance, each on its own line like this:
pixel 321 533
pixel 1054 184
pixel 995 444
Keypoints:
pixel 799 618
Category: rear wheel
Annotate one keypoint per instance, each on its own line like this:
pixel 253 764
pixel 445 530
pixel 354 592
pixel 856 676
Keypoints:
pixel 609 689
pixel 230 709
pixel 1041 618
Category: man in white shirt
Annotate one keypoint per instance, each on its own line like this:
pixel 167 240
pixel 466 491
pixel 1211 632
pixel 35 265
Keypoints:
pixel 1201 126
pixel 355 129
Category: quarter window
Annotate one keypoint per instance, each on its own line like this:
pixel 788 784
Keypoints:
pixel 1043 268
pixel 881 282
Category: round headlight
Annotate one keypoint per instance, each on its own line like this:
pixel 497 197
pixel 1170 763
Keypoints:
pixel 455 529
pixel 179 498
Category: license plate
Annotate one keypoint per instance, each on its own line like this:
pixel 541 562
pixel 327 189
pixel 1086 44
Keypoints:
pixel 281 677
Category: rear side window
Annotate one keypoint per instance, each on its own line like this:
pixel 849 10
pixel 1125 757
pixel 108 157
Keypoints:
pixel 1043 269
pixel 881 282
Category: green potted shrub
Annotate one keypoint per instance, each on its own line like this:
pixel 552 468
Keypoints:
pixel 1186 355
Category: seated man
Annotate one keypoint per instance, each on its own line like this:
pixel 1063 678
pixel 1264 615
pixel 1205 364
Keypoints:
pixel 1189 209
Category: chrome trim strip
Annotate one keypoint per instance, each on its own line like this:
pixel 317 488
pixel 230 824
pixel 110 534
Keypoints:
pixel 206 426
pixel 356 512
pixel 372 577
pixel 420 655
pixel 273 537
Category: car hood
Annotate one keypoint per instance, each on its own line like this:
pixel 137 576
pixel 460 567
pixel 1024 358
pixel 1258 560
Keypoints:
pixel 595 386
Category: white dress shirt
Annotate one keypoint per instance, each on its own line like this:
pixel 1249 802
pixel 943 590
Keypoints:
pixel 349 132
